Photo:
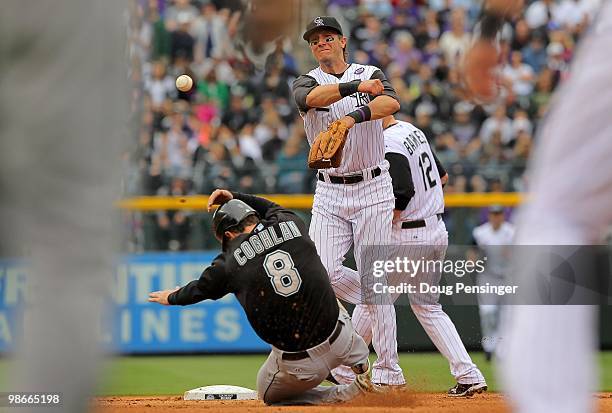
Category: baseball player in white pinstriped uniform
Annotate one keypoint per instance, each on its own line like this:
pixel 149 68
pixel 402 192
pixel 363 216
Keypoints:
pixel 418 177
pixel 354 202
pixel 494 237
pixel 549 361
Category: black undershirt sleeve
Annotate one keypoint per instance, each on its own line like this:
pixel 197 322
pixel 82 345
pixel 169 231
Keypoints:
pixel 403 187
pixel 389 91
pixel 302 86
pixel 441 169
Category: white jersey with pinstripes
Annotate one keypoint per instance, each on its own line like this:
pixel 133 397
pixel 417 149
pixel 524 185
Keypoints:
pixel 407 140
pixel 364 147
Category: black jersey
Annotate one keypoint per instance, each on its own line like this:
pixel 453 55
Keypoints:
pixel 278 278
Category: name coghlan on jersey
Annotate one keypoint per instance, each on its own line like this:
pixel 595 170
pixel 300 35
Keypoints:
pixel 265 239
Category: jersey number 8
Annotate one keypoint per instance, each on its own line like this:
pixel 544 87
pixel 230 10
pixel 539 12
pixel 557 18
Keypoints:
pixel 284 277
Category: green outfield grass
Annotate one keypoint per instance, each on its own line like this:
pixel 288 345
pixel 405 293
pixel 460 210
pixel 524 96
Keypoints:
pixel 174 375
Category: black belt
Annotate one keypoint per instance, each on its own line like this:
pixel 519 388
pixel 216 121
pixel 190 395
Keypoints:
pixel 417 224
pixel 351 179
pixel 300 355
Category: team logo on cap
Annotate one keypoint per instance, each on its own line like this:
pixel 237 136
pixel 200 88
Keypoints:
pixel 318 21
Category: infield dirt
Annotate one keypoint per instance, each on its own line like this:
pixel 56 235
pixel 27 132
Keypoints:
pixel 390 402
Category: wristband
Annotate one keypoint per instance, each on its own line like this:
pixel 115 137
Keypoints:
pixel 348 88
pixel 362 114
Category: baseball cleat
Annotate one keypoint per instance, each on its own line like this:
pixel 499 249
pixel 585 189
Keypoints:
pixel 467 390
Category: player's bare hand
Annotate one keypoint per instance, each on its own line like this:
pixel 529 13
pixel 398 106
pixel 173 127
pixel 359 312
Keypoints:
pixel 218 197
pixel 479 71
pixel 372 87
pixel 444 179
pixel 161 297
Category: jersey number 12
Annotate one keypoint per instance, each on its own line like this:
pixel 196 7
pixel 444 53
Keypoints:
pixel 285 278
pixel 426 168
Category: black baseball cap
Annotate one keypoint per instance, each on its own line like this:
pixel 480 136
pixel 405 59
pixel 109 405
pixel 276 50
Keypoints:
pixel 322 22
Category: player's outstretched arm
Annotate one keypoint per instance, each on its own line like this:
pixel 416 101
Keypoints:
pixel 161 297
pixel 211 285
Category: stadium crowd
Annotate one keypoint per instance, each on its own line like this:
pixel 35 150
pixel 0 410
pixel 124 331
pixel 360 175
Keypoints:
pixel 239 127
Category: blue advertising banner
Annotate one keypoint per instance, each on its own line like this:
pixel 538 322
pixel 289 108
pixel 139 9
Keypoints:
pixel 142 327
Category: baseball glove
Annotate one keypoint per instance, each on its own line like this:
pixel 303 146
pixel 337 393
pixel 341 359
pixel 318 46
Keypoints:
pixel 326 150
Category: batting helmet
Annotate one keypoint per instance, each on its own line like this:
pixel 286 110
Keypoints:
pixel 229 215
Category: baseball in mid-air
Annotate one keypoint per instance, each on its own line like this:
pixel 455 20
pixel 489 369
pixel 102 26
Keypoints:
pixel 184 83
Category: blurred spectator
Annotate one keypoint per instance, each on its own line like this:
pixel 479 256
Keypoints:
pixel 427 98
pixel 291 175
pixel 432 25
pixel 454 42
pixel 556 59
pixel 160 44
pixel 540 13
pixel 159 86
pixel 498 123
pixel 519 74
pixel 237 116
pixel 522 35
pixel 365 36
pixel 271 131
pixel 534 54
pixel 181 41
pixel 446 148
pixel 175 149
pixel 379 8
pixel 219 172
pixel 275 82
pixel 173 225
pixel 180 11
pixel 521 152
pixel 521 123
pixel 210 32
pixel 249 147
pixel 571 13
pixel 541 96
pixel 403 52
pixel 423 113
pixel 462 125
pixel 215 91
pixel 478 184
